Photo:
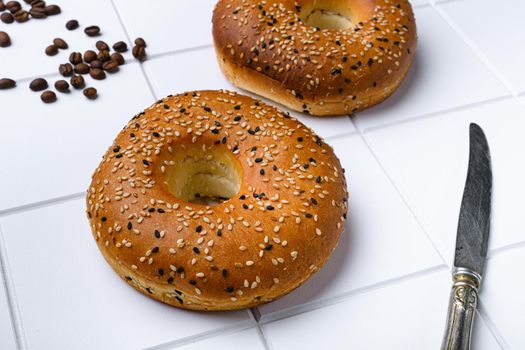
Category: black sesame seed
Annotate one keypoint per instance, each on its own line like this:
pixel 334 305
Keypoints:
pixel 318 179
pixel 196 250
pixel 258 160
pixel 155 249
pixel 270 207
pixel 198 229
pixel 149 290
pixel 237 107
pixel 170 280
pixel 103 219
pixel 300 139
pixel 219 233
pixel 130 225
pixel 245 206
pixel 179 300
pixel 237 118
pixel 308 215
pixel 161 272
pixel 160 211
pixel 151 210
pixel 242 197
pixel 145 162
pixel 156 134
pixel 192 282
pixel 229 289
pixel 313 200
pixel 129 278
pixel 157 234
pixel 224 273
pixel 180 269
pixel 261 171
pixel 268 247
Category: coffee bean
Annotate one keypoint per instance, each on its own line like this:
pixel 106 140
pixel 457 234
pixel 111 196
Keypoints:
pixel 90 93
pixel 7 18
pixel 38 84
pixel 100 45
pixel 75 57
pixel 140 42
pixel 2 6
pixel 5 40
pixel 103 55
pixel 48 96
pixel 62 86
pixel 90 56
pixel 115 56
pixel 139 53
pixel 60 43
pixel 82 68
pixel 38 4
pixel 72 24
pixel 7 83
pixel 38 12
pixel 66 70
pixel 120 46
pixel 96 64
pixel 97 74
pixel 92 31
pixel 111 66
pixel 51 50
pixel 52 10
pixel 29 2
pixel 78 82
pixel 13 6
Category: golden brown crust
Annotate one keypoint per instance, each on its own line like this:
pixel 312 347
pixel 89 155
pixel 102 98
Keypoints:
pixel 264 47
pixel 262 243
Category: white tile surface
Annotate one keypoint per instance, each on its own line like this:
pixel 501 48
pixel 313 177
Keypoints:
pixel 409 315
pixel 428 161
pixel 248 339
pixel 7 336
pixel 446 74
pixel 382 240
pixel 497 36
pixel 70 298
pixel 176 25
pixel 171 74
pixel 51 150
pixel 26 56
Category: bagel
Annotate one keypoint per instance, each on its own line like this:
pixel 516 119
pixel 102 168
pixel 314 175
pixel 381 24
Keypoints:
pixel 211 200
pixel 321 57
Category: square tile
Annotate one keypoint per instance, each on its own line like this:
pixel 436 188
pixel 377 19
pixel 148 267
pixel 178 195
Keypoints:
pixel 51 150
pixel 26 56
pixel 498 41
pixel 428 160
pixel 79 296
pixel 7 335
pixel 409 315
pixel 174 74
pixel 168 25
pixel 382 240
pixel 446 74
pixel 248 339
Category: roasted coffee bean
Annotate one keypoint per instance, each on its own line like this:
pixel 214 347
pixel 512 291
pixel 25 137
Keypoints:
pixel 38 84
pixel 139 53
pixel 140 42
pixel 2 6
pixel 96 64
pixel 120 46
pixel 115 56
pixel 51 50
pixel 62 86
pixel 78 82
pixel 52 10
pixel 29 2
pixel 21 16
pixel 75 57
pixel 82 68
pixel 92 31
pixel 38 12
pixel 103 56
pixel 97 74
pixel 60 43
pixel 48 96
pixel 72 24
pixel 111 66
pixel 13 6
pixel 7 18
pixel 90 93
pixel 100 45
pixel 66 70
pixel 6 83
pixel 38 3
pixel 90 56
pixel 5 40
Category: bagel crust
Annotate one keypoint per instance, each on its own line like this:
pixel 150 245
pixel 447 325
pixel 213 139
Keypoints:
pixel 285 214
pixel 265 47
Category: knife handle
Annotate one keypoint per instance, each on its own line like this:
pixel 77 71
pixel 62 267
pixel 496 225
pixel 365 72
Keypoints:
pixel 461 310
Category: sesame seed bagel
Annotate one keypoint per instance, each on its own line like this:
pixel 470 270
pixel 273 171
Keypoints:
pixel 322 57
pixel 211 200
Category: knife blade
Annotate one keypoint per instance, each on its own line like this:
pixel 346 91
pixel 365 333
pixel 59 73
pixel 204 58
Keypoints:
pixel 471 244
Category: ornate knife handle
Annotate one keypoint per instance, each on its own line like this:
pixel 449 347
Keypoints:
pixel 461 310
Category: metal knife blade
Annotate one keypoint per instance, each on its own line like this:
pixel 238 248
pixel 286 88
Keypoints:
pixel 474 216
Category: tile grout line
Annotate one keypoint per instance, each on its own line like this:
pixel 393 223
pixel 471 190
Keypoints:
pixel 41 204
pixel 256 314
pixel 14 311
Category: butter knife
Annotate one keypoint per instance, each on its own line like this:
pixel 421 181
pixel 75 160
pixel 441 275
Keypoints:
pixel 471 244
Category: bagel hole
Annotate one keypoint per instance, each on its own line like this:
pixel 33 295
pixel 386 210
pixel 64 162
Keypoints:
pixel 327 14
pixel 205 174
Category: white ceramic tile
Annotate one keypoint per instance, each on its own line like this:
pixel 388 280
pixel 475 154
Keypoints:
pixel 497 36
pixel 26 56
pixel 446 74
pixel 409 315
pixel 198 70
pixel 69 297
pixel 51 150
pixel 502 295
pixel 7 336
pixel 428 160
pixel 419 2
pixel 382 239
pixel 168 25
pixel 248 339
